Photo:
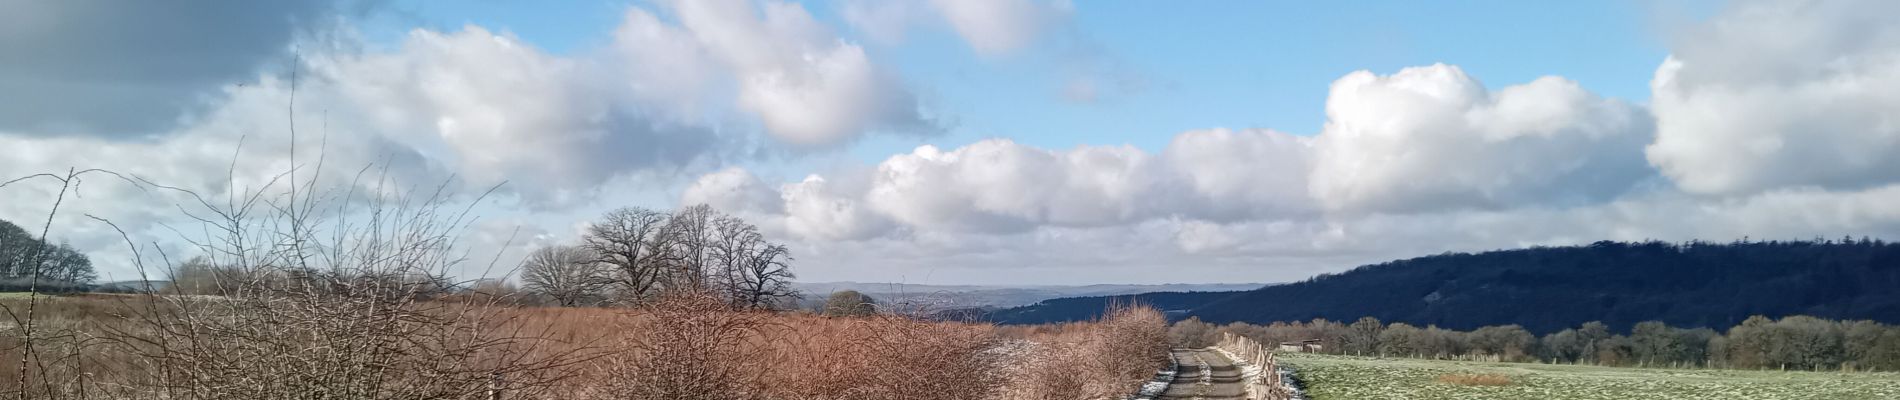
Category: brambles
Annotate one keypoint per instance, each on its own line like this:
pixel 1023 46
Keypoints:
pixel 691 347
pixel 1110 358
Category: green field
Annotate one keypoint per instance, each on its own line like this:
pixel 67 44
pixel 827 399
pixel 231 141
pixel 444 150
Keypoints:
pixel 1361 378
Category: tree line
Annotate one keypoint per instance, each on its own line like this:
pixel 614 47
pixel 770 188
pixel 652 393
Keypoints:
pixel 58 266
pixel 1794 342
pixel 633 254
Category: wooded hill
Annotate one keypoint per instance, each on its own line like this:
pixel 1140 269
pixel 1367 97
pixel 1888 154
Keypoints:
pixel 1544 289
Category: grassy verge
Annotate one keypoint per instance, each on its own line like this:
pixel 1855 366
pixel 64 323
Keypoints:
pixel 1360 378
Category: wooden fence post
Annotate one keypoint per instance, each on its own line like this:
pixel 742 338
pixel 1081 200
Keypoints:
pixel 494 386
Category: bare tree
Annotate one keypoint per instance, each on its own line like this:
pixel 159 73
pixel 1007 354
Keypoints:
pixel 631 240
pixel 764 276
pixel 569 275
pixel 694 249
pixel 748 270
pixel 690 232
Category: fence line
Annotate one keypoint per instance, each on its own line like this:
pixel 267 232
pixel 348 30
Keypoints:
pixel 1263 381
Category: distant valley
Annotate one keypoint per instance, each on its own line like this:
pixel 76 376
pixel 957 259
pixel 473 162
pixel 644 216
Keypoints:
pixel 950 297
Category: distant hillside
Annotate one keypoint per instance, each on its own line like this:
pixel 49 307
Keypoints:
pixel 1175 304
pixel 982 296
pixel 1550 288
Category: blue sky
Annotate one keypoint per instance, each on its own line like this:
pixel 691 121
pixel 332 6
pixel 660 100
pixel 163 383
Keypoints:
pixel 991 141
pixel 1191 65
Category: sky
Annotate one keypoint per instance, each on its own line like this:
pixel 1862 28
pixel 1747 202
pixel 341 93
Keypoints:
pixel 979 141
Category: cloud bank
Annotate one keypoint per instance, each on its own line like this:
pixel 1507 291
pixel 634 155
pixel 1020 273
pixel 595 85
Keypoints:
pixel 1770 120
pixel 679 89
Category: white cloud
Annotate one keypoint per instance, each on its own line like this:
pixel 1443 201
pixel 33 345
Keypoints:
pixel 821 209
pixel 665 68
pixel 1431 138
pixel 734 190
pixel 1243 174
pixel 883 21
pixel 1773 120
pixel 1424 140
pixel 483 107
pixel 1782 94
pixel 999 185
pixel 995 27
pixel 991 27
pixel 501 110
pixel 1423 161
pixel 805 84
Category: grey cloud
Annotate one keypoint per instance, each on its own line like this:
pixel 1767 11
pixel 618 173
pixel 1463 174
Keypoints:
pixel 117 68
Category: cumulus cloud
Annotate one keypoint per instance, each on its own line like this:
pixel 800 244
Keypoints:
pixel 498 109
pixel 664 67
pixel 107 68
pixel 1422 161
pixel 998 186
pixel 1432 138
pixel 1243 174
pixel 734 190
pixel 475 108
pixel 1427 139
pixel 1782 94
pixel 806 85
pixel 822 209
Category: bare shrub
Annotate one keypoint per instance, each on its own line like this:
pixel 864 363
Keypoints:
pixel 1055 372
pixel 296 294
pixel 357 314
pixel 1110 358
pixel 692 347
pixel 1131 346
pixel 887 357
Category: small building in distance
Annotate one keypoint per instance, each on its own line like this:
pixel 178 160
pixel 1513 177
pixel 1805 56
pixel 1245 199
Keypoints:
pixel 1303 346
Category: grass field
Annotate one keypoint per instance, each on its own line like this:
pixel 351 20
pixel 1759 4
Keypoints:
pixel 1361 378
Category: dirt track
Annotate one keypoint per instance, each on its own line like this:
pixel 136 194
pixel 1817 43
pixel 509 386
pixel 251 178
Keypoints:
pixel 1221 379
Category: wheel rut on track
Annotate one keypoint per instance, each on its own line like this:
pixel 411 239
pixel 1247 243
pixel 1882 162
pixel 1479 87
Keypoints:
pixel 1204 374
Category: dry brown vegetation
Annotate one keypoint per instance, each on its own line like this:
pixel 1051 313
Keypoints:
pixel 679 347
pixel 1104 359
pixel 1475 379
